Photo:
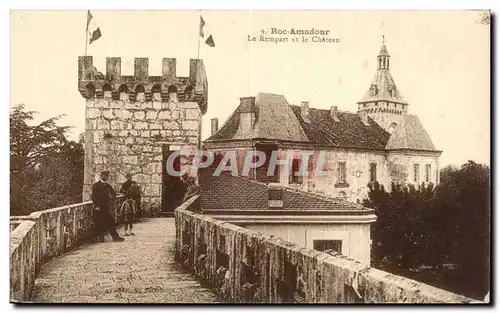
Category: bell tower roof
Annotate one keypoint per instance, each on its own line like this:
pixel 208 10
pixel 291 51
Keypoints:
pixel 382 87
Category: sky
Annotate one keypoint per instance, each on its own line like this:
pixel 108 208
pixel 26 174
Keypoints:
pixel 440 61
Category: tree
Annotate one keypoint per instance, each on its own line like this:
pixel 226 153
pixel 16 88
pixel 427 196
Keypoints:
pixel 40 157
pixel 433 226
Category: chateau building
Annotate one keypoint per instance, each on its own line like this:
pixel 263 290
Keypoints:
pixel 380 142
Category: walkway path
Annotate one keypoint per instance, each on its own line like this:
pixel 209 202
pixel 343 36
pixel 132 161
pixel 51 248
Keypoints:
pixel 139 270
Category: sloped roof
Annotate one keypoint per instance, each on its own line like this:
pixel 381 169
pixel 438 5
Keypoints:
pixel 383 50
pixel 235 193
pixel 348 132
pixel 410 134
pixel 274 120
pixel 383 88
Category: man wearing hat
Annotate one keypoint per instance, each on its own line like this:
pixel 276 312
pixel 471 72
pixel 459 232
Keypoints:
pixel 103 196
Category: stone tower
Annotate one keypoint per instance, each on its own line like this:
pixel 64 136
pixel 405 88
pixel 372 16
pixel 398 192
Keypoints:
pixel 132 122
pixel 383 102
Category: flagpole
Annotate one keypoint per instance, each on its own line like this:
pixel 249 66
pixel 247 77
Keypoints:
pixel 86 34
pixel 198 57
pixel 86 41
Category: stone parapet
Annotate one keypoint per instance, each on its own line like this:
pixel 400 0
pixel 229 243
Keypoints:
pixel 243 266
pixel 43 235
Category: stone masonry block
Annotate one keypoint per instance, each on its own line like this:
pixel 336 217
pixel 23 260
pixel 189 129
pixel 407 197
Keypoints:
pixel 156 178
pixel 164 115
pixel 108 113
pixel 122 114
pixel 139 115
pixel 130 159
pixel 155 126
pixel 151 115
pixel 116 124
pixel 190 125
pixel 140 125
pixel 93 113
pixel 103 124
pixel 171 125
pixel 192 114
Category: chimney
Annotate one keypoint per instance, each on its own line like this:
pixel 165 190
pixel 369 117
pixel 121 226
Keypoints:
pixel 304 111
pixel 247 117
pixel 334 113
pixel 275 196
pixel 364 117
pixel 215 125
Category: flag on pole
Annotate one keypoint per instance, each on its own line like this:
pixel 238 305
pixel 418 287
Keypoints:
pixel 203 29
pixel 92 29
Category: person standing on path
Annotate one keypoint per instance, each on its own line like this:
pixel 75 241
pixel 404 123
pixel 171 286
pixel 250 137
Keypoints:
pixel 131 189
pixel 103 196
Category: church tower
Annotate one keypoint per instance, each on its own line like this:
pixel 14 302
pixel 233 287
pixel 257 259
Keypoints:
pixel 383 102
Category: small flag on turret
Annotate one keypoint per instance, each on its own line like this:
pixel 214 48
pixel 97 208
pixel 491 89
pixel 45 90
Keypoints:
pixel 210 40
pixel 92 29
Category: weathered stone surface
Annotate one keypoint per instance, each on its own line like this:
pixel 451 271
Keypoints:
pixel 138 128
pixel 122 114
pixel 151 115
pixel 243 266
pixel 93 113
pixel 164 115
pixel 192 114
pixel 190 125
pixel 131 159
pixel 141 125
pixel 139 270
pixel 155 126
pixel 43 236
pixel 139 115
pixel 108 114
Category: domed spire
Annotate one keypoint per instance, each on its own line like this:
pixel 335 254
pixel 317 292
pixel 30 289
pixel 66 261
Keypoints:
pixel 383 49
pixel 382 87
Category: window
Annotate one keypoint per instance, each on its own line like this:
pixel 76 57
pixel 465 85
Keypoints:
pixel 295 170
pixel 323 245
pixel 416 173
pixel 373 172
pixel 342 171
pixel 392 127
pixel 427 172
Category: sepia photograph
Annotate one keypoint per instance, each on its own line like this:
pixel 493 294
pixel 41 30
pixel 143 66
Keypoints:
pixel 252 156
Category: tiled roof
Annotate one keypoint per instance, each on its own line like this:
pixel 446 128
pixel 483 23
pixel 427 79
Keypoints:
pixel 233 193
pixel 348 132
pixel 410 134
pixel 383 88
pixel 274 120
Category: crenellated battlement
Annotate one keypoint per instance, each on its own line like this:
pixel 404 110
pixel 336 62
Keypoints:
pixel 141 86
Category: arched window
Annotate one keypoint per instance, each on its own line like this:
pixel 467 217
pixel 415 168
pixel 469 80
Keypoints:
pixel 188 93
pixel 106 89
pixel 139 89
pixel 156 88
pixel 89 91
pixel 123 88
pixel 172 89
pixel 392 127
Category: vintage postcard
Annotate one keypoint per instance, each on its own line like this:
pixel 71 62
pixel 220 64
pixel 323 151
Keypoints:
pixel 250 157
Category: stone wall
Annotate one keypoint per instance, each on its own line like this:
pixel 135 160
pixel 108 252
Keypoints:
pixel 127 137
pixel 243 266
pixel 41 236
